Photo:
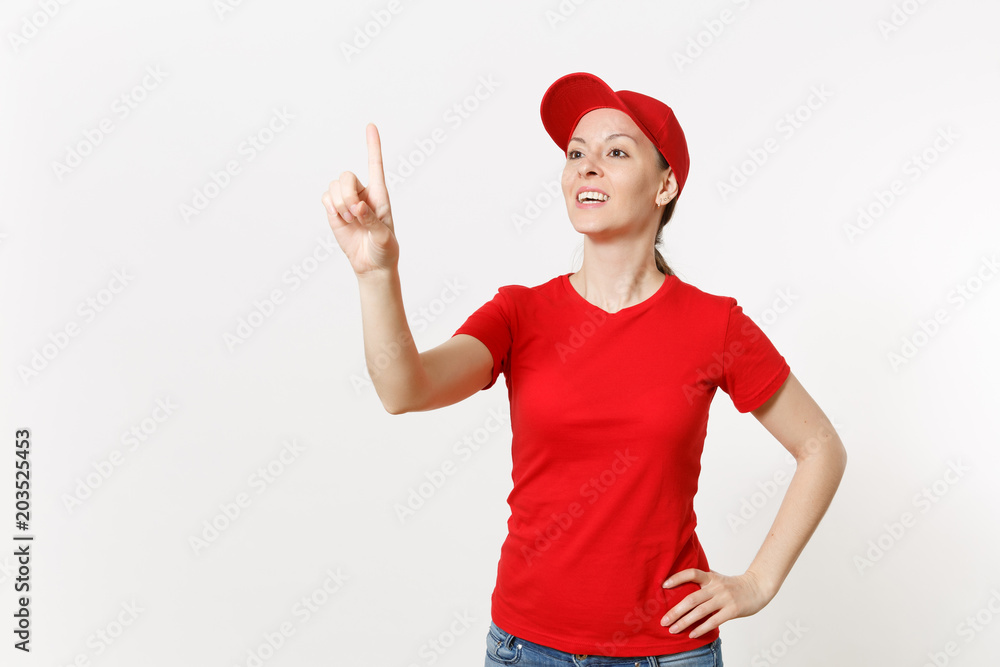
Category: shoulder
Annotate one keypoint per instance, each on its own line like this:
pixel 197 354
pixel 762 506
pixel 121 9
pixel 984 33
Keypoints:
pixel 700 300
pixel 517 292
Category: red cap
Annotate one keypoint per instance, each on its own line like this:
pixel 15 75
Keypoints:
pixel 571 96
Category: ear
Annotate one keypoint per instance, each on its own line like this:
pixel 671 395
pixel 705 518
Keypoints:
pixel 668 188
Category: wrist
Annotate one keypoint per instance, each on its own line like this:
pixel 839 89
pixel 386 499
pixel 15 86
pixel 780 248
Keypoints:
pixel 378 275
pixel 767 586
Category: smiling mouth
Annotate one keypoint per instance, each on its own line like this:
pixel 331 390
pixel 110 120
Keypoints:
pixel 591 197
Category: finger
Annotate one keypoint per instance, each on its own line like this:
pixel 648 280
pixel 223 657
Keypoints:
pixel 337 199
pixel 350 189
pixel 377 231
pixel 690 574
pixel 714 621
pixel 376 175
pixel 336 220
pixel 328 203
pixel 678 611
pixel 704 608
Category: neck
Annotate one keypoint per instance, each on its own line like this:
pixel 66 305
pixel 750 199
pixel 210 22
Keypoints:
pixel 613 283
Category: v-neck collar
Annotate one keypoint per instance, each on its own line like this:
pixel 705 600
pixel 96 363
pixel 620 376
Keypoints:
pixel 634 309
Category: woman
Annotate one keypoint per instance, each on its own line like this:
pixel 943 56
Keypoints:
pixel 610 372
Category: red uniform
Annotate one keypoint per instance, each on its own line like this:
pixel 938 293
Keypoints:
pixel 608 413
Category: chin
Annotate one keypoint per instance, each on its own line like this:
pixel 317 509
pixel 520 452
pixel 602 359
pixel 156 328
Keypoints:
pixel 592 226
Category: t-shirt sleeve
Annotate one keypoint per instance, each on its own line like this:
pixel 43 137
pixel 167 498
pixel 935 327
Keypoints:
pixel 491 325
pixel 752 368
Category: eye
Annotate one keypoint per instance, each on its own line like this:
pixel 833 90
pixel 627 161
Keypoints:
pixel 569 154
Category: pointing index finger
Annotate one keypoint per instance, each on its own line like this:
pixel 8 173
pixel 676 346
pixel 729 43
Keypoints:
pixel 376 177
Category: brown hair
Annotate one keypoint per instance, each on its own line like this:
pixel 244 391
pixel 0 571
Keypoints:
pixel 668 211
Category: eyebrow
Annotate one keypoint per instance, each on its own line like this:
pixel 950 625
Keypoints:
pixel 607 138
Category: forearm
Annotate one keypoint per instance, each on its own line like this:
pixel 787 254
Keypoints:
pixel 390 353
pixel 806 500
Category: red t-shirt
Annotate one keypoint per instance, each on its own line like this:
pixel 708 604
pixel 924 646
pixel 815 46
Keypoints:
pixel 608 413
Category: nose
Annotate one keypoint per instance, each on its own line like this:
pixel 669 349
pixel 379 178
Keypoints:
pixel 585 166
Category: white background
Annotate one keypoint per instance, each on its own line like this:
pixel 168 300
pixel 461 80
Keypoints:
pixel 125 538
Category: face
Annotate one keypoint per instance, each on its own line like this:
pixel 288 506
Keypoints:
pixel 625 168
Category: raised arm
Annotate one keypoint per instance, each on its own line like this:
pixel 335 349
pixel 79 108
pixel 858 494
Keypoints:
pixel 405 380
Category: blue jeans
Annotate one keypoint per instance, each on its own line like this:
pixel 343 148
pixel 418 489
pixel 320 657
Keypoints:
pixel 503 648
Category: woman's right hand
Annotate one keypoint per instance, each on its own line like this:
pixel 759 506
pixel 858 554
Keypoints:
pixel 361 218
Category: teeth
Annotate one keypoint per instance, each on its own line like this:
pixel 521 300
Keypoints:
pixel 594 196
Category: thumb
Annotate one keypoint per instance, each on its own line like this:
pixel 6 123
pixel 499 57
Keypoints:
pixel 367 217
pixel 364 214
